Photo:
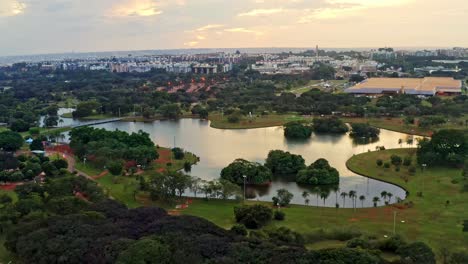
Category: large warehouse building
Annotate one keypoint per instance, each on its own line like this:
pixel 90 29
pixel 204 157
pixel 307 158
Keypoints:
pixel 428 86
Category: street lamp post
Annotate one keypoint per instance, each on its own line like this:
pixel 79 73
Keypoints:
pixel 424 169
pixel 245 177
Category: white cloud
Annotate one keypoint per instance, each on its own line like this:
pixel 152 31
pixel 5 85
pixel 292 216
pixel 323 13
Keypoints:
pixel 11 7
pixel 191 43
pixel 260 12
pixel 209 27
pixel 141 8
pixel 347 8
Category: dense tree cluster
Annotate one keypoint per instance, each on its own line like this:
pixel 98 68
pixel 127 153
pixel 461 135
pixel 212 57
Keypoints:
pixel 318 173
pixel 329 125
pixel 99 146
pixel 296 130
pixel 284 163
pixel 361 130
pixel 26 168
pixel 254 172
pixel 446 147
pixel 10 141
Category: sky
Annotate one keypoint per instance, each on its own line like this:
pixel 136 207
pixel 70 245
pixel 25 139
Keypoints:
pixel 56 26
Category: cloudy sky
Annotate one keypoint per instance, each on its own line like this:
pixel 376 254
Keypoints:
pixel 51 26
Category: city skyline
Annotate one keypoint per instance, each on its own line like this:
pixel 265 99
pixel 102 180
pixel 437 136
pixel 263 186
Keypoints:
pixel 62 26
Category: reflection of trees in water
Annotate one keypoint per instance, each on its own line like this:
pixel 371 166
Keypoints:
pixel 359 141
pixel 252 192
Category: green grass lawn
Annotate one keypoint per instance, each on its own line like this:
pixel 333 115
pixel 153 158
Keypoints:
pixel 124 188
pixel 429 220
pixel 88 168
pixel 91 117
pixel 221 122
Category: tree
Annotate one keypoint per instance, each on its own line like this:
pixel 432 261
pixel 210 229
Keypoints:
pixel 283 198
pixel 379 162
pixel 254 216
pixel 362 198
pixel 344 195
pixel 10 141
pixel 36 144
pixel 296 130
pixel 178 153
pixel 318 173
pixel 255 172
pixel 229 189
pixel 329 125
pixel 376 200
pixel 115 167
pixel 171 111
pixel 447 147
pixel 305 194
pixel 147 250
pixel 359 130
pixel 284 163
pixel 352 196
pixel 417 252
pixel 396 160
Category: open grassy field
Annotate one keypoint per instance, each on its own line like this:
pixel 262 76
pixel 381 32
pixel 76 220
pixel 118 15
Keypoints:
pixel 337 85
pixel 397 124
pixel 429 220
pixel 92 117
pixel 125 188
pixel 221 122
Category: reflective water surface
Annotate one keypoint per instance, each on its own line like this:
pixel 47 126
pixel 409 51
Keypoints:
pixel 217 148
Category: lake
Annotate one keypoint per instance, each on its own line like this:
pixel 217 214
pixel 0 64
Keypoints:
pixel 217 148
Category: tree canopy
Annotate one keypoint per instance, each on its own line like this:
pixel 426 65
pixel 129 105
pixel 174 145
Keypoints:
pixel 284 163
pixel 318 173
pixel 255 172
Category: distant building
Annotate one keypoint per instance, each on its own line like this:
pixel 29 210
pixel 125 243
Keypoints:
pixel 205 69
pixel 428 86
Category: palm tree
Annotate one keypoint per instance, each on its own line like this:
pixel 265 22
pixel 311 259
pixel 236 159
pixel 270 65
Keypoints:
pixel 307 201
pixel 352 196
pixel 383 195
pixel 362 198
pixel 389 195
pixel 305 194
pixel 343 195
pixel 376 200
pixel 324 196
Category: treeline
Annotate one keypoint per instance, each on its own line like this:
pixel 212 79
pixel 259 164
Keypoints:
pixel 282 164
pixel 100 146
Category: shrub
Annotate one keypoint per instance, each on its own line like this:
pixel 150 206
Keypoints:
pixel 386 165
pixel 234 118
pixel 178 153
pixel 396 160
pixel 239 230
pixel 417 252
pixel 115 167
pixel 279 215
pixel 254 216
pixel 412 170
pixel 397 169
pixel 407 161
pixel 379 162
pixel 358 242
pixel 283 198
pixel 392 243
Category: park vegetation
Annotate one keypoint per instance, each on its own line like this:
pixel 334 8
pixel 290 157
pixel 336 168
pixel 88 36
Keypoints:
pixel 297 130
pixel 329 125
pixel 101 147
pixel 318 173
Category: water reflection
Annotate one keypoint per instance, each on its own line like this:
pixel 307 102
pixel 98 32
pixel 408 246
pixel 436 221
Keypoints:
pixel 217 148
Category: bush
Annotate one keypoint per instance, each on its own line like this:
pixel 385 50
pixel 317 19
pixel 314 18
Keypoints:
pixel 358 242
pixel 396 160
pixel 386 165
pixel 254 216
pixel 234 118
pixel 392 243
pixel 417 252
pixel 296 130
pixel 115 167
pixel 239 230
pixel 412 170
pixel 318 173
pixel 379 162
pixel 407 161
pixel 283 198
pixel 178 153
pixel 279 215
